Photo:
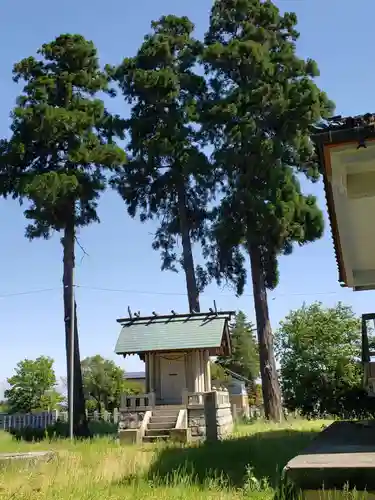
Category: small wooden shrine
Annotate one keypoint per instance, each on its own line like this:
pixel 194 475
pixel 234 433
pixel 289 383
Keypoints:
pixel 176 349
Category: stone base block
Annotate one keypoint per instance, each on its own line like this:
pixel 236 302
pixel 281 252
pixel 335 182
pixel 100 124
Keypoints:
pixel 180 435
pixel 32 456
pixel 342 456
pixel 129 436
pixel 335 495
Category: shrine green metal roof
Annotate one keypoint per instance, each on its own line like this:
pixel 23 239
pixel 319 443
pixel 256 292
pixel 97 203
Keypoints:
pixel 172 333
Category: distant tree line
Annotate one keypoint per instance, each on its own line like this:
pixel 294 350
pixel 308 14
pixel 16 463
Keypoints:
pixel 33 387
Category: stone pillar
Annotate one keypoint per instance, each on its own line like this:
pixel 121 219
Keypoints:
pixel 210 416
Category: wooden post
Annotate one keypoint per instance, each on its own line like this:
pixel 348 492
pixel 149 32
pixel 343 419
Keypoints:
pixel 199 371
pixel 151 399
pixel 151 384
pixel 365 345
pixel 185 397
pixel 234 412
pixel 202 383
pixel 196 370
pixel 187 371
pixel 115 416
pixel 207 371
pixel 147 367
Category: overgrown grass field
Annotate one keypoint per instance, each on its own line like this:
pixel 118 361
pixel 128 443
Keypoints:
pixel 248 465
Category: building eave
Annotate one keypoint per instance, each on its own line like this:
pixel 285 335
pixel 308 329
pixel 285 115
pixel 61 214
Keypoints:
pixel 335 235
pixel 335 132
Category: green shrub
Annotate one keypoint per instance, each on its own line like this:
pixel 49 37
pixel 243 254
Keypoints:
pixel 60 430
pixel 32 434
pixel 28 434
pixel 102 428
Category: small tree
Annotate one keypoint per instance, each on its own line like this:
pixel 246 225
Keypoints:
pixel 60 149
pixel 167 177
pixel 30 385
pixel 133 387
pixel 218 374
pixel 4 407
pixel 103 381
pixel 319 350
pixel 51 400
pixel 245 354
pixel 262 104
pixel 256 396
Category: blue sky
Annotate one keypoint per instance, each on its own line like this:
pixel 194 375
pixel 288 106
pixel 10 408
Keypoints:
pixel 121 269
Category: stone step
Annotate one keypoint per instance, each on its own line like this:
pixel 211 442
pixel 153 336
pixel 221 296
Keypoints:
pixel 162 418
pixel 168 407
pixel 166 410
pixel 30 456
pixel 166 418
pixel 342 454
pixel 161 425
pixel 157 432
pixel 153 439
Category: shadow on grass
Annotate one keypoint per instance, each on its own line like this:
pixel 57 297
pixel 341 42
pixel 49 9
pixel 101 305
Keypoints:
pixel 266 453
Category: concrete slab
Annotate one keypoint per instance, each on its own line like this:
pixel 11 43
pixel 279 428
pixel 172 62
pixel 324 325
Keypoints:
pixel 6 458
pixel 343 454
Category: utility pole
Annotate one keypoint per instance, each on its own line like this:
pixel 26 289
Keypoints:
pixel 71 384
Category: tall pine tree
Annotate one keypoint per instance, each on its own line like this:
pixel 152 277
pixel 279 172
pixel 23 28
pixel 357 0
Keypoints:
pixel 245 354
pixel 167 177
pixel 60 150
pixel 263 101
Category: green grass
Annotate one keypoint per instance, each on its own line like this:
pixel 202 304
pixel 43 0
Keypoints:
pixel 247 465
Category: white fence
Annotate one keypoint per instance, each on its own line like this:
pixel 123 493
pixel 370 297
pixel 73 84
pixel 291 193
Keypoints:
pixel 193 399
pixel 138 402
pixel 44 419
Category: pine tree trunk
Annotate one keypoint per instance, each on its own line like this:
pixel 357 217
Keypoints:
pixel 187 253
pixel 80 426
pixel 270 382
